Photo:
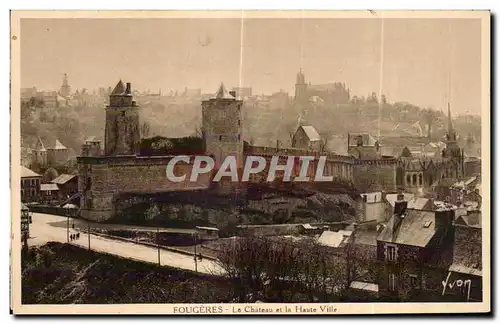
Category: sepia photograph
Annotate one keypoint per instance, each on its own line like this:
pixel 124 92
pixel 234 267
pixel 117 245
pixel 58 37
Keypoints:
pixel 250 162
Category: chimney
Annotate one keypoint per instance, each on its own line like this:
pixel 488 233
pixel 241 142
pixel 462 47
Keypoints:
pixel 431 204
pixel 444 218
pixel 400 205
pixel 129 88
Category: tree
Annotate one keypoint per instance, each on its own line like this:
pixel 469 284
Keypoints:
pixel 280 270
pixel 145 130
pixel 152 212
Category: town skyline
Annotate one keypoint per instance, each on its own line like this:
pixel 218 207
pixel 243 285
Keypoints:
pixel 426 63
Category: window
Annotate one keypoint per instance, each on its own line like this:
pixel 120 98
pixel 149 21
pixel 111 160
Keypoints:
pixel 420 179
pixel 239 123
pixel 391 253
pixel 414 281
pixel 392 282
pixel 220 137
pixel 408 179
pixel 414 182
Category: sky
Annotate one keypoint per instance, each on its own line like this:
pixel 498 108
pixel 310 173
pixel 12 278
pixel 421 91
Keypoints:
pixel 427 62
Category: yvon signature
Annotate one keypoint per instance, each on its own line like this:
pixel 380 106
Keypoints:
pixel 460 284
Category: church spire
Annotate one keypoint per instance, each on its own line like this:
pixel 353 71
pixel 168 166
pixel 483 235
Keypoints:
pixel 451 132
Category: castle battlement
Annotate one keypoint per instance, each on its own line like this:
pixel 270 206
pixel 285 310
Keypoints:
pixel 273 151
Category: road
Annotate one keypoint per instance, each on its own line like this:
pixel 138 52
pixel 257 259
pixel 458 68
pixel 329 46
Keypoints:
pixel 46 228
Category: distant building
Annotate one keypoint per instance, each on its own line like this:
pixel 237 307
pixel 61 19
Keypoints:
pixel 330 94
pixel 242 92
pixel 307 138
pixel 65 90
pixel 363 146
pixel 30 185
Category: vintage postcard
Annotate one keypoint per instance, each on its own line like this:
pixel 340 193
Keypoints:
pixel 250 162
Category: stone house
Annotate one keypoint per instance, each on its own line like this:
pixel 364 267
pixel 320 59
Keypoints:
pixel 414 251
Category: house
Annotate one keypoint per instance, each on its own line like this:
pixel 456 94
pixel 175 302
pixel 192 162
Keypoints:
pixel 307 138
pixel 30 185
pixel 49 191
pixel 373 206
pixel 67 185
pixel 464 279
pixel 464 190
pixel 414 251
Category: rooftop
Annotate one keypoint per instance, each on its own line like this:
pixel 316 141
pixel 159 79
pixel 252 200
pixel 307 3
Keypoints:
pixel 27 173
pixel 48 187
pixel 417 228
pixel 222 93
pixel 311 133
pixel 63 178
pixel 331 239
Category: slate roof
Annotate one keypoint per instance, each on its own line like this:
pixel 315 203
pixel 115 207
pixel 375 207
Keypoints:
pixel 411 231
pixel 39 145
pixel 92 139
pixel 311 133
pixel 392 198
pixel 48 187
pixel 119 89
pixel 27 173
pixel 63 178
pixel 418 203
pixel 222 93
pixel 58 146
pixel 367 286
pixel 331 239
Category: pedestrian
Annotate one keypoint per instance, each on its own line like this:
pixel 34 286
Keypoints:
pixel 73 225
pixel 77 236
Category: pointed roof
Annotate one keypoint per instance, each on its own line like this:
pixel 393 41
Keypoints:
pixel 39 145
pixel 311 132
pixel 59 146
pixel 119 89
pixel 450 123
pixel 222 93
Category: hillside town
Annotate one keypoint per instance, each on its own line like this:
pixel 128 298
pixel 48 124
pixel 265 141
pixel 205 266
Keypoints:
pixel 400 221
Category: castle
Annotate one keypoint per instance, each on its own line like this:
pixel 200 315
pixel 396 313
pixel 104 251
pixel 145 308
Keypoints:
pixel 127 166
pixel 330 94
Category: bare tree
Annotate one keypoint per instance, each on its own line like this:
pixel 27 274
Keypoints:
pixel 281 270
pixel 324 143
pixel 145 130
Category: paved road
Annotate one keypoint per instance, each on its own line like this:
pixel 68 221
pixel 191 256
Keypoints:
pixel 47 228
